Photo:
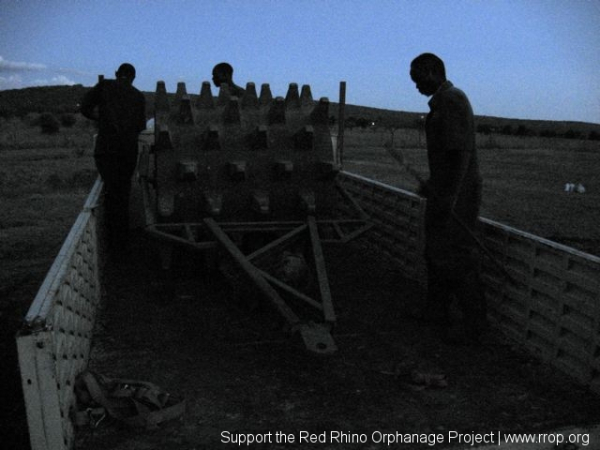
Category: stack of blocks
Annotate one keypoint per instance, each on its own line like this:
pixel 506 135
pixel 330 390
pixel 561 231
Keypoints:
pixel 254 158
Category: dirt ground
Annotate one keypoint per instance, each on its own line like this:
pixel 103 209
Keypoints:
pixel 240 372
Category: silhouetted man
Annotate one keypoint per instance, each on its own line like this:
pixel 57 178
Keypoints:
pixel 223 73
pixel 453 194
pixel 119 109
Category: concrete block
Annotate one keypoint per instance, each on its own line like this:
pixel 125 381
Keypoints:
pixel 187 170
pixel 166 204
pixel 205 100
pixel 161 103
pixel 186 113
pixel 250 100
pixel 162 138
pixel 181 91
pixel 265 95
pixel 320 113
pixel 261 202
pixel 224 95
pixel 283 169
pixel 306 99
pixel 236 170
pixel 304 138
pixel 276 113
pixel 210 138
pixel 213 203
pixel 259 138
pixel 307 201
pixel 231 113
pixel 292 98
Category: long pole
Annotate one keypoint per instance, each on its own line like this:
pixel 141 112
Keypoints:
pixel 341 123
pixel 399 158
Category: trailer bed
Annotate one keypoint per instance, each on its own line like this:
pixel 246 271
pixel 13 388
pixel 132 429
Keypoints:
pixel 243 374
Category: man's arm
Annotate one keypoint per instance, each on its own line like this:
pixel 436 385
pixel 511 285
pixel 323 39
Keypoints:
pixel 141 118
pixel 457 132
pixel 90 103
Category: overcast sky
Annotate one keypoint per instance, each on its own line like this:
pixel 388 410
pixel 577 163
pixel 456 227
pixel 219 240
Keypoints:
pixel 530 59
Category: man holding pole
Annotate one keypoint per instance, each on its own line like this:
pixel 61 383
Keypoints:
pixel 453 194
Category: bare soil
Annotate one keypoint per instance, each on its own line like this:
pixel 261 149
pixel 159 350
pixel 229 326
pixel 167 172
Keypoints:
pixel 241 372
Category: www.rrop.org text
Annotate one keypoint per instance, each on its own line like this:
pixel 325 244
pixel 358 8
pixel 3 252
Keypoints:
pixel 393 438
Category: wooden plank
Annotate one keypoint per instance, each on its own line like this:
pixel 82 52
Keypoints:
pixel 277 243
pixel 26 346
pixel 47 382
pixel 299 295
pixel 322 278
pixel 252 272
pixel 43 301
pixel 200 246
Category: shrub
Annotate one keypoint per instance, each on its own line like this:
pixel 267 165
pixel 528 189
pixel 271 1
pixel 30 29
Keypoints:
pixel 522 130
pixel 67 120
pixel 594 136
pixel 484 129
pixel 572 134
pixel 362 122
pixel 49 124
pixel 548 133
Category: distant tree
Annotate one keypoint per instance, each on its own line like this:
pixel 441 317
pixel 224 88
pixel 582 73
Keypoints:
pixel 522 130
pixel 31 119
pixel 350 122
pixel 362 122
pixel 390 124
pixel 49 123
pixel 548 133
pixel 419 124
pixel 484 129
pixel 507 130
pixel 67 120
pixel 572 134
pixel 594 136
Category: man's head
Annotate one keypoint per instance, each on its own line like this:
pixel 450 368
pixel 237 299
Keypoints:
pixel 428 72
pixel 126 72
pixel 222 73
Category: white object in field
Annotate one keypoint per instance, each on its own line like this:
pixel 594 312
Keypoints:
pixel 150 125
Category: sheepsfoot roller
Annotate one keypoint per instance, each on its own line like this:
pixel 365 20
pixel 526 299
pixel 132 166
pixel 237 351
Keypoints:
pixel 253 181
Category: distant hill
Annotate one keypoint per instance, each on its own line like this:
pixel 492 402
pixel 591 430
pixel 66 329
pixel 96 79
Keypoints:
pixel 53 99
pixel 66 99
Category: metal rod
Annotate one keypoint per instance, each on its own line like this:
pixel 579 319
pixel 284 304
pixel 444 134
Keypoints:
pixel 290 290
pixel 328 311
pixel 400 160
pixel 252 272
pixel 278 242
pixel 201 246
pixel 341 123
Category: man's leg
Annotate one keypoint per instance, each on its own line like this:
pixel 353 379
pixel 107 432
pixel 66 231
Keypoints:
pixel 120 196
pixel 468 289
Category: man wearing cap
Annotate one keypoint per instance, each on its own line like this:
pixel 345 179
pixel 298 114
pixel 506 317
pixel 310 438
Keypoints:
pixel 119 109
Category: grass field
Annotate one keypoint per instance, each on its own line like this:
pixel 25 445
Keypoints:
pixel 45 179
pixel 524 180
pixel 43 185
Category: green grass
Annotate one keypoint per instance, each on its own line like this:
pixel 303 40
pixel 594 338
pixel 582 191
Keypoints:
pixel 523 184
pixel 42 192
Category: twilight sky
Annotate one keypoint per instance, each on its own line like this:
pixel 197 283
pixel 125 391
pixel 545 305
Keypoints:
pixel 528 59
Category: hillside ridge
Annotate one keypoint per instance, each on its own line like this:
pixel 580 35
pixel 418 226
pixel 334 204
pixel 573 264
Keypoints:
pixel 65 99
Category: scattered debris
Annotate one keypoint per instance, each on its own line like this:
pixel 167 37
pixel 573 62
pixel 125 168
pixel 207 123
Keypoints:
pixel 428 379
pixel 572 187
